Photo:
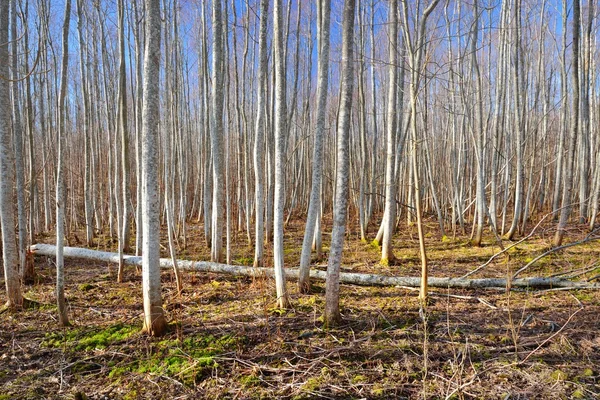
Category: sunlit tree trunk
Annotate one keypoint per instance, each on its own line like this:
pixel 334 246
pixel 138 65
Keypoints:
pixel 216 133
pixel 340 211
pixel 18 142
pixel 281 133
pixel 60 186
pixel 10 255
pixel 314 208
pixel 389 213
pixel 566 205
pixel 154 319
pixel 259 138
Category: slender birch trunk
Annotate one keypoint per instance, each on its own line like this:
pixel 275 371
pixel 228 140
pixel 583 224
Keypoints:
pixel 10 255
pixel 332 288
pixel 63 318
pixel 154 319
pixel 281 133
pixel 566 205
pixel 259 138
pixel 314 207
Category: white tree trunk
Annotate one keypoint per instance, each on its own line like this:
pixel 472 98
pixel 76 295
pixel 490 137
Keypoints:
pixel 344 277
pixel 10 256
pixel 216 133
pixel 314 208
pixel 60 186
pixel 259 138
pixel 154 319
pixel 340 211
pixel 280 139
pixel 389 213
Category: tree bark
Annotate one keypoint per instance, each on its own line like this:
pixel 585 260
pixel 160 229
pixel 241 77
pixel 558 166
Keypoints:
pixel 314 207
pixel 60 186
pixel 10 255
pixel 259 138
pixel 344 277
pixel 154 319
pixel 281 134
pixel 574 132
pixel 340 211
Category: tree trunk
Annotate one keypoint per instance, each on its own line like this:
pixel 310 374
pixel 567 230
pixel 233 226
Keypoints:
pixel 259 138
pixel 63 318
pixel 154 319
pixel 566 205
pixel 216 133
pixel 340 211
pixel 281 134
pixel 10 255
pixel 314 207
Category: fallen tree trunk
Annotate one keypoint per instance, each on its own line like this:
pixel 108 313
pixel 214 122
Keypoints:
pixel 345 277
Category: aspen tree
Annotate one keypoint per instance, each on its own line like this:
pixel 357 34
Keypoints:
pixel 340 212
pixel 63 318
pixel 10 255
pixel 314 208
pixel 154 319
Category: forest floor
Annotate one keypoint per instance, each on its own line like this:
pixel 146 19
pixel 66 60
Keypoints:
pixel 227 340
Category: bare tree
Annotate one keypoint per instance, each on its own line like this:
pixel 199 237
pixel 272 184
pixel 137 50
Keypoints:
pixel 259 138
pixel 280 139
pixel 314 208
pixel 63 318
pixel 216 133
pixel 565 211
pixel 10 255
pixel 154 319
pixel 340 212
pixel 389 213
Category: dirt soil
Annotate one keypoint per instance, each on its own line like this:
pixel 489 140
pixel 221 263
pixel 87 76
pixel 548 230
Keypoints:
pixel 227 340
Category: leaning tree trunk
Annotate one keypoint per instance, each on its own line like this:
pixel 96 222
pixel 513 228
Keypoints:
pixel 340 211
pixel 154 319
pixel 314 207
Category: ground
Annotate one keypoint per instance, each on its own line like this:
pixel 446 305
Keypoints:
pixel 227 339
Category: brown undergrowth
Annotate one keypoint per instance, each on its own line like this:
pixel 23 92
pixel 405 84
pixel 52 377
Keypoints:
pixel 227 340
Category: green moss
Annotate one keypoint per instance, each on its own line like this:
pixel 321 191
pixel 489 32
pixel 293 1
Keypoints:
pixel 312 384
pixel 132 395
pixel 385 262
pixel 277 311
pixel 79 339
pixel 588 373
pixel 446 239
pixel 84 287
pixel 187 360
pixel 245 261
pixel 359 379
pixel 578 394
pixel 250 380
pixel 378 390
pixel 5 397
pixel 558 376
pixel 375 244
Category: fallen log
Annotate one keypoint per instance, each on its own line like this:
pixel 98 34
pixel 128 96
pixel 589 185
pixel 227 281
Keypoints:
pixel 345 277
